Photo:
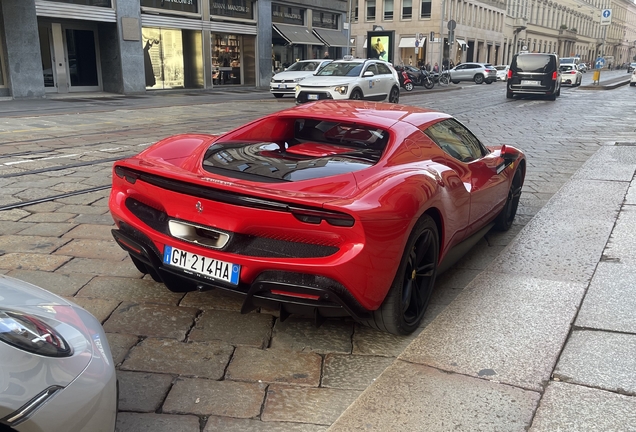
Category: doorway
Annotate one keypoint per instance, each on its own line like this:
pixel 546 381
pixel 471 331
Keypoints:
pixel 70 59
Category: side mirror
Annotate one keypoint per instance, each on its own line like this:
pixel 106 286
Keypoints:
pixel 368 74
pixel 508 154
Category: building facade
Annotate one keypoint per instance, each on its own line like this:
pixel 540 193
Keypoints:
pixel 422 34
pixel 134 46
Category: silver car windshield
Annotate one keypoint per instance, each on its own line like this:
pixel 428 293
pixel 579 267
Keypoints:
pixel 303 67
pixel 341 69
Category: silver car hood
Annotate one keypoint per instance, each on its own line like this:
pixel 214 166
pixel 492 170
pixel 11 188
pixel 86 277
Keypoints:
pixel 23 375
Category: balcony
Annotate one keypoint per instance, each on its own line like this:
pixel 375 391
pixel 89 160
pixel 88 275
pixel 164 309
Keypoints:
pixel 567 34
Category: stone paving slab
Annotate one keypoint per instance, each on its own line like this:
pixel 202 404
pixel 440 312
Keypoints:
pixel 134 422
pixel 99 308
pixel 49 217
pixel 275 366
pixel 609 163
pixel 48 229
pixel 572 408
pixel 610 301
pixel 137 290
pixel 352 371
pixel 200 359
pixel 630 198
pixel 253 329
pixel 567 242
pixel 22 243
pixel 64 285
pixel 320 406
pixel 598 359
pixel 93 248
pixel 153 320
pixel 437 401
pixel 621 244
pixel 297 334
pixel 461 338
pixel 32 261
pixel 91 231
pixel 368 341
pixel 142 392
pixel 83 209
pixel 9 227
pixel 101 267
pixel 220 398
pixel 13 215
pixel 215 299
pixel 120 344
pixel 229 424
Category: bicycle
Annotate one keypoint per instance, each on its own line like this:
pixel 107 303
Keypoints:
pixel 444 78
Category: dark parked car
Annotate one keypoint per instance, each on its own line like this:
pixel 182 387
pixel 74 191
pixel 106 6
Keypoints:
pixel 534 74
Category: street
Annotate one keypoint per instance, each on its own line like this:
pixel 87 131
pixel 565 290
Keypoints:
pixel 192 362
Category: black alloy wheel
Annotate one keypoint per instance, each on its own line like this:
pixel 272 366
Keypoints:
pixel 403 309
pixel 479 79
pixel 507 216
pixel 356 95
pixel 394 95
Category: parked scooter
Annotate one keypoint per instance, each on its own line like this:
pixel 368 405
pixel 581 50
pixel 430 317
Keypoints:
pixel 405 80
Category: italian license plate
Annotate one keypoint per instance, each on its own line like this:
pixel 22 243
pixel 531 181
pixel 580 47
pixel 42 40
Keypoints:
pixel 201 265
pixel 312 97
pixel 527 82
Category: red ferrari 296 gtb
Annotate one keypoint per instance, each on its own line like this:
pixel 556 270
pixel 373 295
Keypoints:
pixel 327 209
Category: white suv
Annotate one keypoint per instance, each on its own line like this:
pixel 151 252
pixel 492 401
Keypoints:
pixel 351 79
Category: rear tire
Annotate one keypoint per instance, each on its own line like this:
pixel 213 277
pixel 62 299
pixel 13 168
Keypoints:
pixel 504 219
pixel 488 82
pixel 403 308
pixel 455 82
pixel 429 84
pixel 509 95
pixel 478 79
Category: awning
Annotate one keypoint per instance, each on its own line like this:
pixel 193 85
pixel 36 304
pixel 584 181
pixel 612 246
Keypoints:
pixel 332 38
pixel 297 35
pixel 461 42
pixel 407 42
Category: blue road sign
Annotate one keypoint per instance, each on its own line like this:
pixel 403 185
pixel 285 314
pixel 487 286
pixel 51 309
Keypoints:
pixel 600 63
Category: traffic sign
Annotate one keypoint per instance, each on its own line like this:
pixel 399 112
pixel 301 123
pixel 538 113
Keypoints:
pixel 600 63
pixel 606 17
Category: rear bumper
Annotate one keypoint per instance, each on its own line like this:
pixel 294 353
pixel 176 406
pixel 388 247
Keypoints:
pixel 538 90
pixel 287 291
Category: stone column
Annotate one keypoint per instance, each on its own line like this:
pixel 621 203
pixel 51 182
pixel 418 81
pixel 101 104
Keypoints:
pixel 264 44
pixel 22 49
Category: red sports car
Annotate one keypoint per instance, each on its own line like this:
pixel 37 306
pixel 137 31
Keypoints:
pixel 332 208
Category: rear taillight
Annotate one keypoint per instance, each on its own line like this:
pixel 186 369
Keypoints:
pixel 573 72
pixel 509 73
pixel 554 75
pixel 317 216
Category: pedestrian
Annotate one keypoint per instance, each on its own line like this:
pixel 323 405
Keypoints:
pixel 410 60
pixel 609 66
pixel 436 68
pixel 326 55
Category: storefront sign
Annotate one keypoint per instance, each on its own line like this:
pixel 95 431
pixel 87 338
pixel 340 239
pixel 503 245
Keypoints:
pixel 173 5
pixel 102 3
pixel 288 15
pixel 324 20
pixel 232 8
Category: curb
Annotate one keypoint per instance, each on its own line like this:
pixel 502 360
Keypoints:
pixel 609 86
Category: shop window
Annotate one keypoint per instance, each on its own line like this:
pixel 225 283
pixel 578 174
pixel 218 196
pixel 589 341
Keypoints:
pixel 226 59
pixel 102 3
pixel 163 58
pixel 425 9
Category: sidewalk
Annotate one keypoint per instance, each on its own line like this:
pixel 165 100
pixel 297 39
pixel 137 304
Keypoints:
pixel 544 339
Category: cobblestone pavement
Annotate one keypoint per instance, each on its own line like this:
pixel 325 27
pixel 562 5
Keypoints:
pixel 191 362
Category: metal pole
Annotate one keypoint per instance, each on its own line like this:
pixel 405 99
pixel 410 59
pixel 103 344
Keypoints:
pixel 441 37
pixel 349 29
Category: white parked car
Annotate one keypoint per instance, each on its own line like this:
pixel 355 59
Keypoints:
pixel 570 75
pixel 56 368
pixel 285 82
pixel 502 72
pixel 632 80
pixel 351 79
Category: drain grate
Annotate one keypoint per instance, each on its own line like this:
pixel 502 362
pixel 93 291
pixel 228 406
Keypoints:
pixel 625 143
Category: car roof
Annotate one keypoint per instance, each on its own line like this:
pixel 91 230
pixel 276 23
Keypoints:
pixel 380 114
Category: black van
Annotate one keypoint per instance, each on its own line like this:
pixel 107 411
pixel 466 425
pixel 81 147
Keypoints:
pixel 534 74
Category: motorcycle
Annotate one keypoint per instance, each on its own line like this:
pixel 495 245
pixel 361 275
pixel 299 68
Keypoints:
pixel 427 79
pixel 405 79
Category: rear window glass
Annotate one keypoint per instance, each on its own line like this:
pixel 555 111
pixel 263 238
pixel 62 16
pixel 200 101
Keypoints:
pixel 566 67
pixel 534 63
pixel 340 133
